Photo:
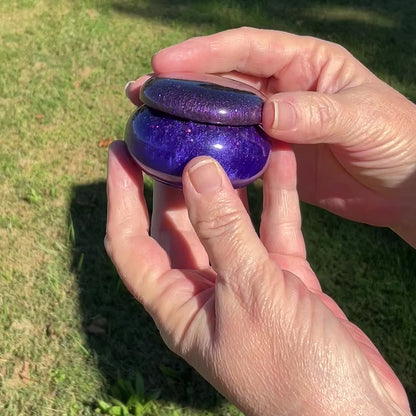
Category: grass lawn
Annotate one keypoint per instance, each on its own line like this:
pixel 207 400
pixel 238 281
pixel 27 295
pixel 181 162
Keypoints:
pixel 70 334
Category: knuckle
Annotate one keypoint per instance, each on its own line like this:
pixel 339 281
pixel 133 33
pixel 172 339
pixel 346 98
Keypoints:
pixel 325 112
pixel 323 115
pixel 114 242
pixel 218 225
pixel 253 297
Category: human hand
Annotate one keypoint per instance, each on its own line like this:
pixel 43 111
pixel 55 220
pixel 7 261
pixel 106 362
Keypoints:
pixel 246 312
pixel 354 135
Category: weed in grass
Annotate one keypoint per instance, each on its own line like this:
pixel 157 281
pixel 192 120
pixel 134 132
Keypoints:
pixel 128 400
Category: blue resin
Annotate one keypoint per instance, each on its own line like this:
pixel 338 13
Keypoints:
pixel 204 98
pixel 163 145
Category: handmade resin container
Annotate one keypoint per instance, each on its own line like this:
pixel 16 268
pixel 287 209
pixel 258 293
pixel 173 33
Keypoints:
pixel 189 115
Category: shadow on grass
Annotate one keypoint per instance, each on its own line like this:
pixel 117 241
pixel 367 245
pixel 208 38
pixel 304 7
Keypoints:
pixel 381 34
pixel 119 331
pixel 368 270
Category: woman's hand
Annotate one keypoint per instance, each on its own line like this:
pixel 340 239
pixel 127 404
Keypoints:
pixel 355 136
pixel 246 312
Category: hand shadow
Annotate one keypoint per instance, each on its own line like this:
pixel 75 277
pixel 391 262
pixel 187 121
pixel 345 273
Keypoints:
pixel 118 330
pixel 125 340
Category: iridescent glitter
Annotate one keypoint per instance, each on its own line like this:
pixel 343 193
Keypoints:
pixel 220 123
pixel 205 98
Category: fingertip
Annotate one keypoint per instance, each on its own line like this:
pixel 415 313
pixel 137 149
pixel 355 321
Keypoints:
pixel 117 146
pixel 132 89
pixel 126 205
pixel 280 228
pixel 127 87
pixel 158 58
pixel 117 151
pixel 122 168
pixel 178 52
pixel 282 165
pixel 114 149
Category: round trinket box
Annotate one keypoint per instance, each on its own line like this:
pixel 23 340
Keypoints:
pixel 189 115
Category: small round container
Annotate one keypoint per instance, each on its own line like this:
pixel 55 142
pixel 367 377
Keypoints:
pixel 190 115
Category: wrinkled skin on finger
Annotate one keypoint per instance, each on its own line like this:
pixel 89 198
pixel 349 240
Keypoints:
pixel 353 134
pixel 245 310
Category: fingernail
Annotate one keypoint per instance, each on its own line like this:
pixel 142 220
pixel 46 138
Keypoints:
pixel 126 88
pixel 279 115
pixel 205 176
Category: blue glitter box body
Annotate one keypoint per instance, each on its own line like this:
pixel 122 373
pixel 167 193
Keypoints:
pixel 186 115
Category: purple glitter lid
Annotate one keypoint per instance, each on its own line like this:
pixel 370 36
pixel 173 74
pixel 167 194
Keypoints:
pixel 204 98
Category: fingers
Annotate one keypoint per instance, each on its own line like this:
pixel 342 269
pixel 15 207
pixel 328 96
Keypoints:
pixel 295 62
pixel 281 65
pixel 126 204
pixel 127 241
pixel 280 229
pixel 171 228
pixel 303 78
pixel 222 223
pixel 172 297
pixel 173 231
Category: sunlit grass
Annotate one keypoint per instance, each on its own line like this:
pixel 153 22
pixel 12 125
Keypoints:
pixel 69 328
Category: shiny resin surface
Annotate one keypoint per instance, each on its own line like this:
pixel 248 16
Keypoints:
pixel 205 98
pixel 185 118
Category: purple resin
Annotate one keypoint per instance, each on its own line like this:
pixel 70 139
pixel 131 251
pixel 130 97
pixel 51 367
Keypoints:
pixel 204 98
pixel 163 145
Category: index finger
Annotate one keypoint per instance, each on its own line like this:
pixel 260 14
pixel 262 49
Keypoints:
pixel 295 62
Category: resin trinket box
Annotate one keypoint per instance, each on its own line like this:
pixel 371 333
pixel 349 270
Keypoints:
pixel 189 115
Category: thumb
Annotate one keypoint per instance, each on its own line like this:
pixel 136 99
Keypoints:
pixel 222 222
pixel 308 117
